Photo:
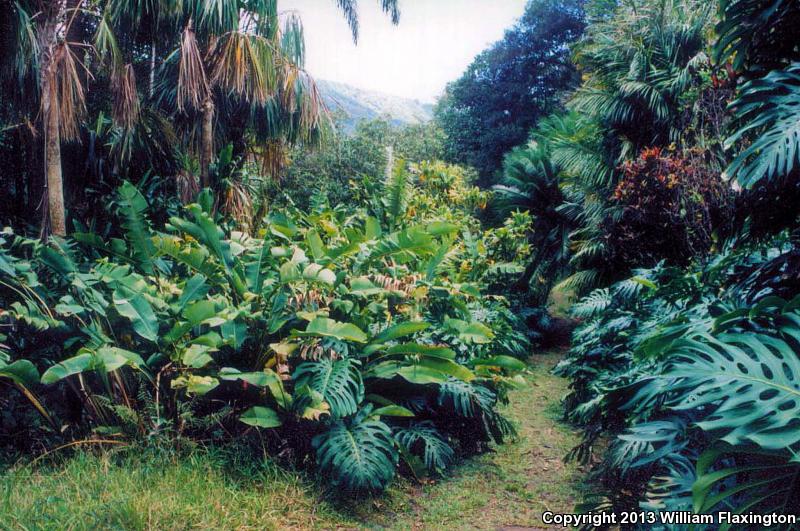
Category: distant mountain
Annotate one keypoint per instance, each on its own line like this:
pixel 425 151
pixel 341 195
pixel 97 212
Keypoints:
pixel 358 104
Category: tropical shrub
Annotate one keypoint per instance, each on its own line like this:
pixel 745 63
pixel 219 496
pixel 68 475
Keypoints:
pixel 338 169
pixel 532 184
pixel 673 208
pixel 647 82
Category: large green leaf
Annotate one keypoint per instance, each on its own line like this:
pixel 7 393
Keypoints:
pixel 199 311
pixel 195 384
pixel 191 255
pixel 205 231
pixel 314 241
pixel 768 109
pixel 364 287
pixel 194 288
pixel 282 226
pixel 423 439
pixel 105 358
pixel 197 356
pixel 259 379
pixel 257 263
pixel 473 332
pixel 504 362
pixel 358 454
pixel 400 330
pixel 21 371
pixel 112 358
pixel 428 370
pixel 339 383
pixel 133 206
pixel 424 351
pixel 135 307
pixel 68 367
pixel 266 378
pixel 751 381
pixel 411 242
pixel 743 480
pixel 261 417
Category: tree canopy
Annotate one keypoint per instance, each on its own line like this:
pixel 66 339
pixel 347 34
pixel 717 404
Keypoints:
pixel 511 85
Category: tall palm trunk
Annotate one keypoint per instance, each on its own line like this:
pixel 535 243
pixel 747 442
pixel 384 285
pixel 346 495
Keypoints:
pixel 207 143
pixel 50 120
pixel 152 81
pixel 52 157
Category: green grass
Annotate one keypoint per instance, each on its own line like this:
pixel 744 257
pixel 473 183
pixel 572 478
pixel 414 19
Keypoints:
pixel 218 489
pixel 204 490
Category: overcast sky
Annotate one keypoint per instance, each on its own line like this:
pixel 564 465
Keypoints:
pixel 433 44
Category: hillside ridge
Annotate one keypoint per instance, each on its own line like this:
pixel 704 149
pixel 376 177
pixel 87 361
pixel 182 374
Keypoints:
pixel 357 104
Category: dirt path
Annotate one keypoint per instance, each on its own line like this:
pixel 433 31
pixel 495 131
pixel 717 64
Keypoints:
pixel 506 489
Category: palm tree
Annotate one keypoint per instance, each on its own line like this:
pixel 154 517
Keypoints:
pixel 532 182
pixel 241 56
pixel 41 72
pixel 637 63
pixel 232 67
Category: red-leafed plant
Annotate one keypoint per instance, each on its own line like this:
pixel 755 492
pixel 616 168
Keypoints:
pixel 673 203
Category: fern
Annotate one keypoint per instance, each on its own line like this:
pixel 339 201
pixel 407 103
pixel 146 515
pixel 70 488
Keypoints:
pixel 339 382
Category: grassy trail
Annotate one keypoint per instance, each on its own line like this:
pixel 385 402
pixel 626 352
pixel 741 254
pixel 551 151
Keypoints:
pixel 505 489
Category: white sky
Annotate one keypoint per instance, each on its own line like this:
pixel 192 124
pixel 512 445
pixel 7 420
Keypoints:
pixel 433 44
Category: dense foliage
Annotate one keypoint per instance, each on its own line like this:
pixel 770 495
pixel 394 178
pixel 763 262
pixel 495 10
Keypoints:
pixel 131 89
pixel 362 308
pixel 694 374
pixel 355 338
pixel 667 197
pixel 339 167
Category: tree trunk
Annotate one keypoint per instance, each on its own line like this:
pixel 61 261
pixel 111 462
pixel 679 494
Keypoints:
pixel 152 68
pixel 53 181
pixel 389 170
pixel 52 157
pixel 207 143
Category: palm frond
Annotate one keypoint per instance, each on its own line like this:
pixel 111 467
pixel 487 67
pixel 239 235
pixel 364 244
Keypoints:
pixel 126 98
pixel 192 87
